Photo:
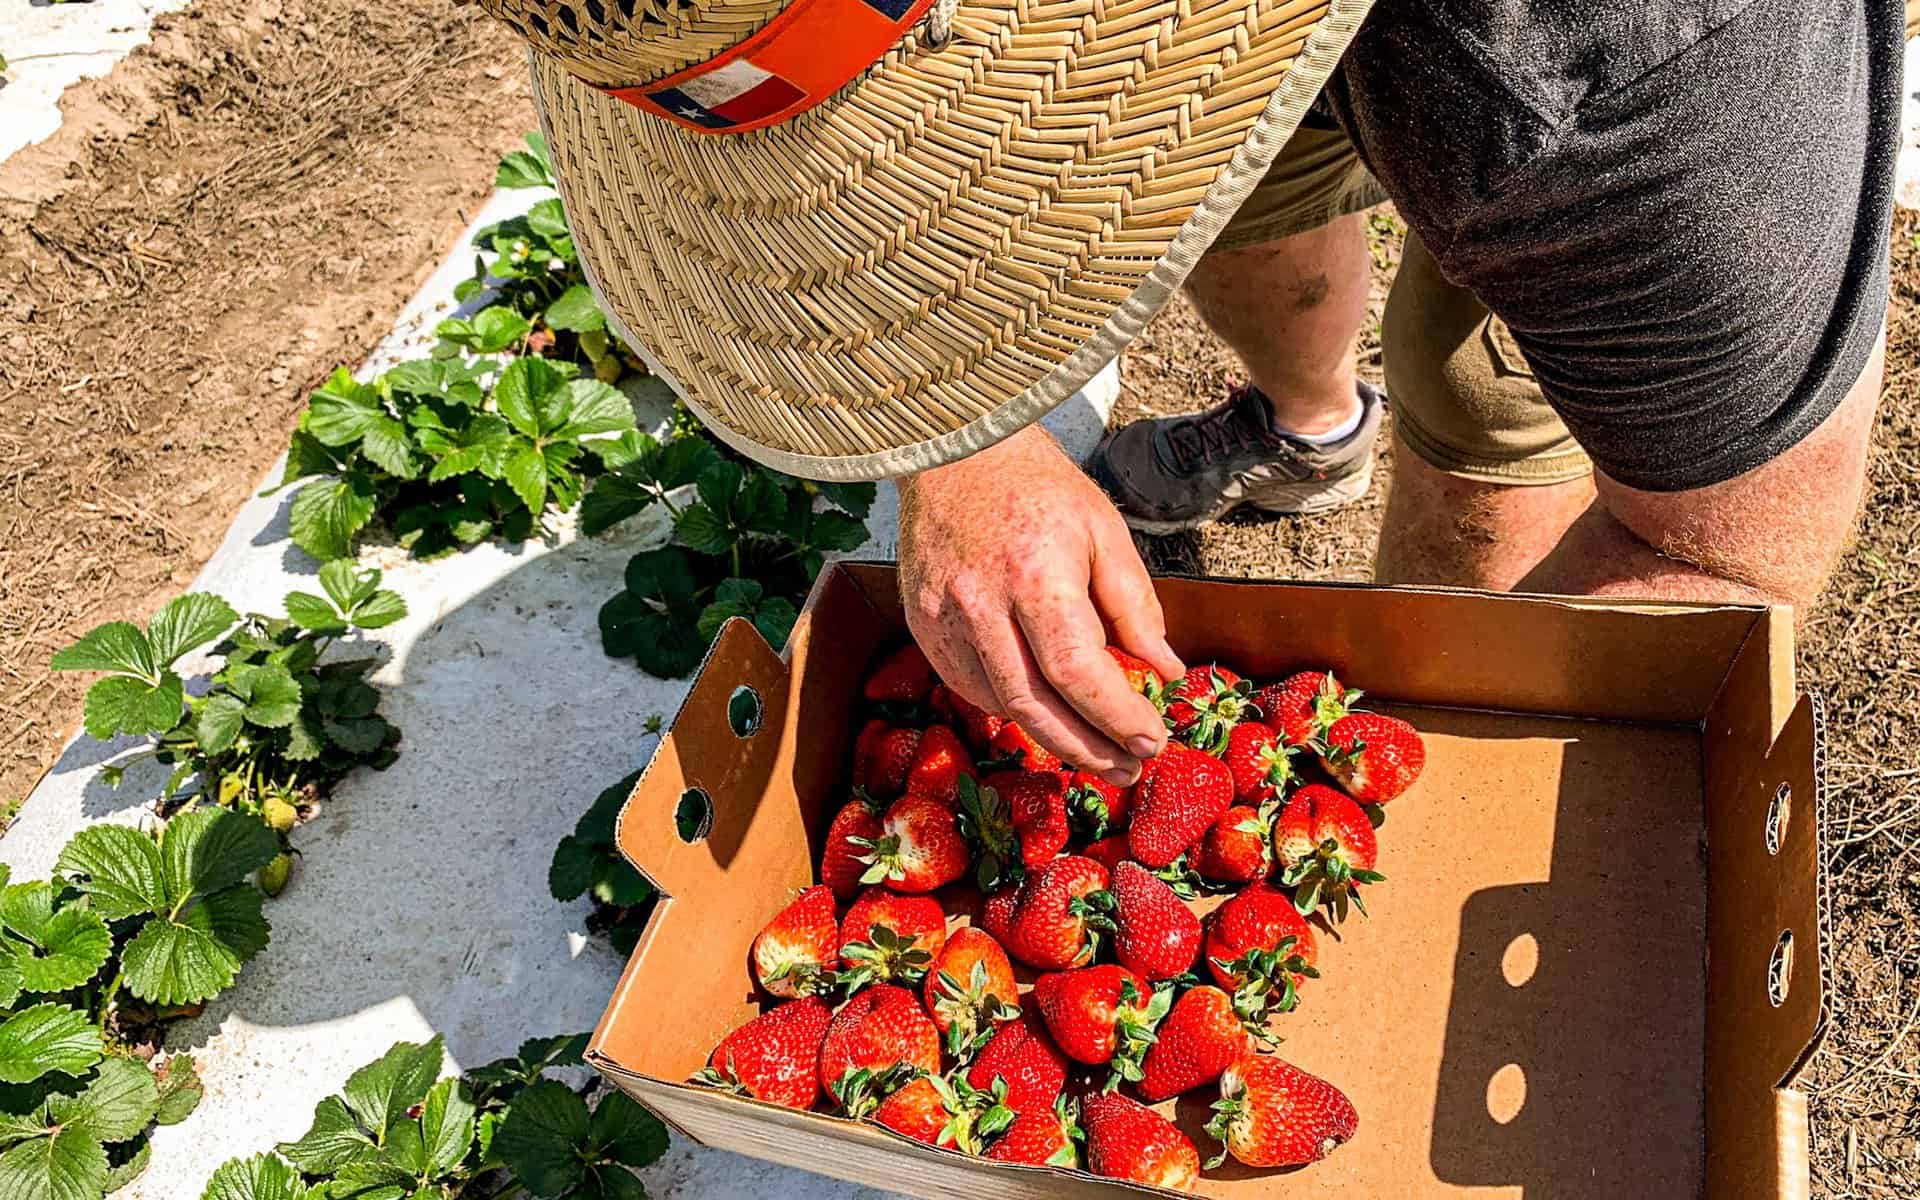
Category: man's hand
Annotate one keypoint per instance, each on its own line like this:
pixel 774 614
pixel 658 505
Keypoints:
pixel 1013 567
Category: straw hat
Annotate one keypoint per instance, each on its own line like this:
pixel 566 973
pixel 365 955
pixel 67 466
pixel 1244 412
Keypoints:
pixel 866 237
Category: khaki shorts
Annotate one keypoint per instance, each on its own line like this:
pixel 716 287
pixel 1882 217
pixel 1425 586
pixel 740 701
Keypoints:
pixel 1463 397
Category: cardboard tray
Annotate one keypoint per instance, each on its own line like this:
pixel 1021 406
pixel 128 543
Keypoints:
pixel 1594 969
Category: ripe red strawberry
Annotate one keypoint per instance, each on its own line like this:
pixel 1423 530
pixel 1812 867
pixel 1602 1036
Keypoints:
pixel 886 937
pixel 976 723
pixel 1260 948
pixel 854 827
pixel 873 1043
pixel 1127 1140
pixel 1054 927
pixel 943 1112
pixel 1203 707
pixel 905 675
pixel 1261 763
pixel 1237 848
pixel 1022 1061
pixel 939 759
pixel 996 913
pixel 1037 801
pixel 1197 1041
pixel 1013 741
pixel 797 950
pixel 1109 852
pixel 1096 806
pixel 970 990
pixel 920 847
pixel 1374 756
pixel 1273 1114
pixel 1102 1015
pixel 1327 848
pixel 1042 1138
pixel 776 1056
pixel 1140 677
pixel 1155 935
pixel 882 757
pixel 1177 804
pixel 1302 705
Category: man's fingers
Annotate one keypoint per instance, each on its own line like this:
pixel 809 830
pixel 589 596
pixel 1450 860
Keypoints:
pixel 1027 698
pixel 1124 593
pixel 1064 631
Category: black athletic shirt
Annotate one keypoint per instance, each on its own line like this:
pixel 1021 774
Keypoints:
pixel 1681 207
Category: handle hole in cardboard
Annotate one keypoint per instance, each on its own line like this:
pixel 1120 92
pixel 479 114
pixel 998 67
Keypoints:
pixel 693 816
pixel 1780 970
pixel 744 712
pixel 1778 814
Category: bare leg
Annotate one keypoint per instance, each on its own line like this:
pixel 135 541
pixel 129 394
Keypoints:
pixel 1290 309
pixel 1440 528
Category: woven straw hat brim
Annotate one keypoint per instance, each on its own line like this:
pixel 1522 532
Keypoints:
pixel 955 244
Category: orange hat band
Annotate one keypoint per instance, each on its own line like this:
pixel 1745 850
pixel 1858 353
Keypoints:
pixel 807 53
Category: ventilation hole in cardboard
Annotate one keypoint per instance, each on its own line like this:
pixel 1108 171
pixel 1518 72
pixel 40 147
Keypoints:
pixel 1780 970
pixel 1778 814
pixel 1521 960
pixel 1506 1094
pixel 744 712
pixel 693 816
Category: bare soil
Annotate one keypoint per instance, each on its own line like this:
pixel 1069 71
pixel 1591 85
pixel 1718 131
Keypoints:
pixel 246 203
pixel 239 207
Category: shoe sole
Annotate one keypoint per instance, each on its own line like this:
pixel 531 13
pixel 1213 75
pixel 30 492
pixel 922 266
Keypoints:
pixel 1286 499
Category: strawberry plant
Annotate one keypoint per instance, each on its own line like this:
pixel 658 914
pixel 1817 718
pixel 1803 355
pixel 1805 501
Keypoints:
pixel 587 862
pixel 446 461
pixel 535 294
pixel 504 1130
pixel 132 931
pixel 278 726
pixel 747 542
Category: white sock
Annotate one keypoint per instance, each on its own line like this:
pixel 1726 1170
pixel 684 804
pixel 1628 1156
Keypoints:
pixel 1338 433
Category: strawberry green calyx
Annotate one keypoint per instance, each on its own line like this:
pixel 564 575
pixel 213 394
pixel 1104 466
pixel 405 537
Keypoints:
pixel 1090 810
pixel 860 1090
pixel 1277 770
pixel 1067 1112
pixel 975 1115
pixel 1228 1111
pixel 986 822
pixel 1135 1019
pixel 973 1011
pixel 1328 879
pixel 1179 875
pixel 1266 984
pixel 1215 713
pixel 1332 702
pixel 885 957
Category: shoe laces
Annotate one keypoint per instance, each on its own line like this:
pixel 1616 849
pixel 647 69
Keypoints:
pixel 1219 434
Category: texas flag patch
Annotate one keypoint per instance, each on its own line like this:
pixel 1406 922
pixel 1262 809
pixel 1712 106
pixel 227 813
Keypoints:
pixel 736 94
pixel 806 54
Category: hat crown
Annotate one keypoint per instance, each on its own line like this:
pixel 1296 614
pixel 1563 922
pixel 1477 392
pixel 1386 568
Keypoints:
pixel 626 43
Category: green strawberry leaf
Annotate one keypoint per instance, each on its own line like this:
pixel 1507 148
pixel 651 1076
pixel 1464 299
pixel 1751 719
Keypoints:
pixel 343 409
pixel 118 867
pixel 854 499
pixel 122 704
pixel 46 1038
pixel 548 219
pixel 446 1128
pixel 623 1131
pixel 117 1104
pixel 380 1093
pixel 180 1090
pixel 526 473
pixel 703 530
pixel 596 410
pixel 528 168
pixel 117 646
pixel 65 1164
pixel 489 331
pixel 314 613
pixel 536 1056
pixel 614 881
pixel 123 1167
pixel 571 871
pixel 326 515
pixel 531 394
pixel 51 951
pixel 308 456
pixel 335 1139
pixel 262 1177
pixel 185 622
pixel 269 692
pixel 577 310
pixel 480 445
pixel 196 954
pixel 541 1137
pixel 604 1182
pixel 206 850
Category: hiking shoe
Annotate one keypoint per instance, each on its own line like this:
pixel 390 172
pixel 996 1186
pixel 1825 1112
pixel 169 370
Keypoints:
pixel 1180 472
